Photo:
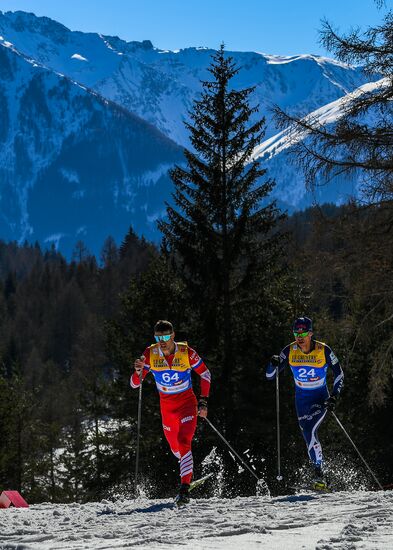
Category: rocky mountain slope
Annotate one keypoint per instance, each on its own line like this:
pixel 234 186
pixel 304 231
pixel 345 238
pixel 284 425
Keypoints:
pixel 90 124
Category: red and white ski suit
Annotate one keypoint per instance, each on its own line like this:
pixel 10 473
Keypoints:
pixel 178 403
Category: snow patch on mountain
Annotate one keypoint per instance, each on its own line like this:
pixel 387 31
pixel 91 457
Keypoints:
pixel 328 114
pixel 79 57
pixel 5 43
pixel 151 177
pixel 69 175
pixel 153 217
pixel 54 239
pixel 276 156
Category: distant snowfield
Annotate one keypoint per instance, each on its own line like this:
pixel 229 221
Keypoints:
pixel 345 520
pixel 328 114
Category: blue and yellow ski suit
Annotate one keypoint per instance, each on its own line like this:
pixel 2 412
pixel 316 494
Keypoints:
pixel 309 372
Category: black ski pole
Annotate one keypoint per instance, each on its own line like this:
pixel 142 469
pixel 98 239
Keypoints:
pixel 279 476
pixel 358 452
pixel 233 450
pixel 138 431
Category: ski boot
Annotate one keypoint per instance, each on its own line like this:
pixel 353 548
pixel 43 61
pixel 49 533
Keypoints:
pixel 319 482
pixel 183 496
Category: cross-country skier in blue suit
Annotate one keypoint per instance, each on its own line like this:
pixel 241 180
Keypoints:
pixel 309 361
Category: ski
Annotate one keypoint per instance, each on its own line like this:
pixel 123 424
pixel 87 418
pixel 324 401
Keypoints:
pixel 200 481
pixel 320 487
pixel 313 487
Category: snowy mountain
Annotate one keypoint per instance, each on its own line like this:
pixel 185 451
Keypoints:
pixel 275 155
pixel 160 85
pixel 345 520
pixel 74 166
pixel 90 124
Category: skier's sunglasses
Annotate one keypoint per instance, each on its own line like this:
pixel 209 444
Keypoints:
pixel 163 337
pixel 301 334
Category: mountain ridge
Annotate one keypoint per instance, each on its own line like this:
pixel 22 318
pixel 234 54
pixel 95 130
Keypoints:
pixel 46 116
pixel 154 89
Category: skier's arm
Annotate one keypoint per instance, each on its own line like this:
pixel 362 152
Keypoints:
pixel 338 373
pixel 281 363
pixel 141 366
pixel 200 368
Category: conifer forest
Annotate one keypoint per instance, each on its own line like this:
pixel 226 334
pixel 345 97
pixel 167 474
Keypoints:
pixel 231 273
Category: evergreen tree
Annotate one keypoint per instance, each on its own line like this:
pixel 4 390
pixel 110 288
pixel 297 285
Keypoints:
pixel 219 233
pixel 17 427
pixel 109 278
pixel 109 253
pixel 361 140
pixel 80 253
pixel 90 369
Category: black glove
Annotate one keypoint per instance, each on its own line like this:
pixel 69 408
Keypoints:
pixel 330 403
pixel 202 403
pixel 275 360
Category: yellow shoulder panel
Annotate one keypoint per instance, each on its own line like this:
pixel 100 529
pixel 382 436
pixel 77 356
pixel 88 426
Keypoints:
pixel 182 346
pixel 320 345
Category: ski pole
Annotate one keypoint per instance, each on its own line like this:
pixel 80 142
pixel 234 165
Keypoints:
pixel 358 452
pixel 138 431
pixel 232 449
pixel 279 476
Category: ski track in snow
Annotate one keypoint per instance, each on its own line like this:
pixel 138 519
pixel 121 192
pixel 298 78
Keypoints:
pixel 345 520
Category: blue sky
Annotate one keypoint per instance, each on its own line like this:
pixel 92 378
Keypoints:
pixel 283 27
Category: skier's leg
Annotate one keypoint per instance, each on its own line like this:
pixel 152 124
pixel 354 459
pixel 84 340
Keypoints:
pixel 310 417
pixel 314 445
pixel 187 426
pixel 171 435
pixel 186 433
pixel 170 425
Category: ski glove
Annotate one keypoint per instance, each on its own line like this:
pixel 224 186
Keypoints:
pixel 202 403
pixel 330 403
pixel 275 360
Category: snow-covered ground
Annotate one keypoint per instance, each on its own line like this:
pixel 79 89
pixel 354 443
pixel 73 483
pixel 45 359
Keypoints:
pixel 344 520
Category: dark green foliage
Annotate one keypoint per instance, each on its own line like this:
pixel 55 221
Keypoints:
pixel 17 428
pixel 220 234
pixel 68 415
pixel 346 255
pixel 62 436
pixel 231 277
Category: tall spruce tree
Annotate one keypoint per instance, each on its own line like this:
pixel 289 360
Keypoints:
pixel 219 233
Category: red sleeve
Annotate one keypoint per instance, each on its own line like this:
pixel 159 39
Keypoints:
pixel 135 380
pixel 200 368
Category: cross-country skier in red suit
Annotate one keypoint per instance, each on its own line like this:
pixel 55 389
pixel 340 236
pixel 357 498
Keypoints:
pixel 171 364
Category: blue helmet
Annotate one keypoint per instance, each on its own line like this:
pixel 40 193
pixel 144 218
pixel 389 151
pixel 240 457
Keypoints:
pixel 302 324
